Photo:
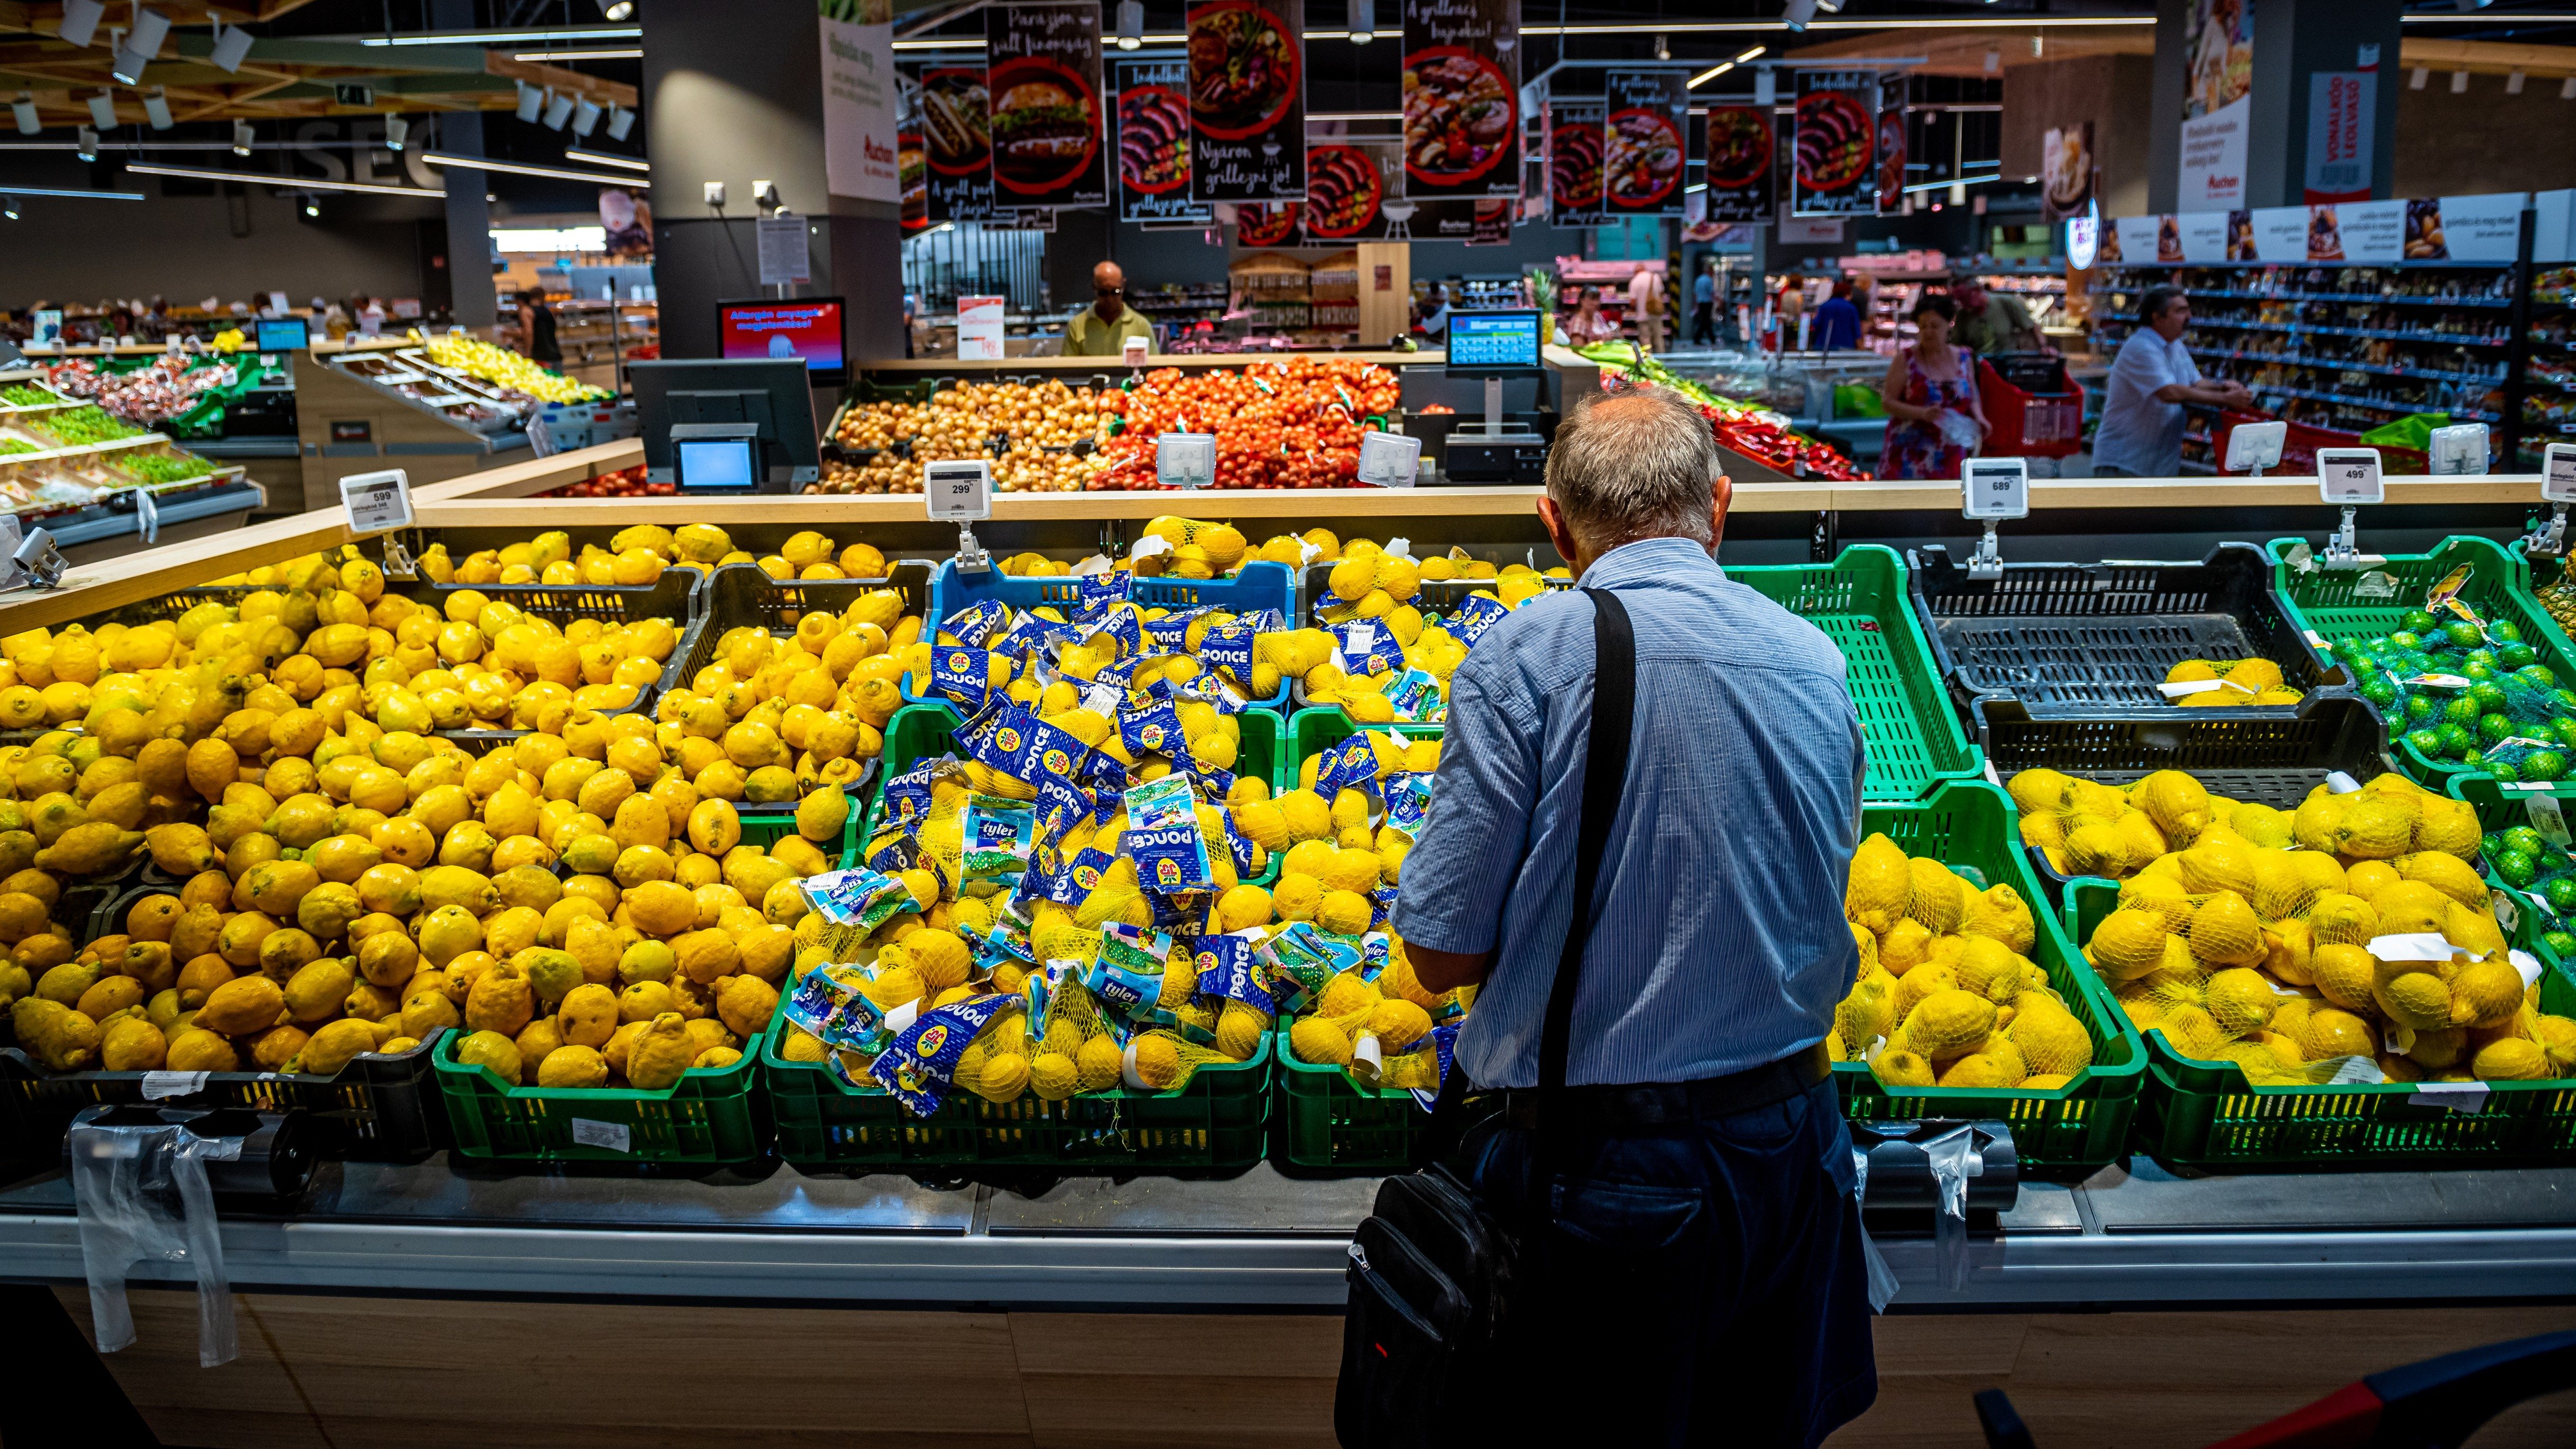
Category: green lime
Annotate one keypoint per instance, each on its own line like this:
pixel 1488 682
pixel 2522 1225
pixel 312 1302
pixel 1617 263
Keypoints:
pixel 2463 709
pixel 2560 892
pixel 2487 697
pixel 2494 727
pixel 2456 740
pixel 2417 621
pixel 2517 656
pixel 2525 839
pixel 2482 656
pixel 2474 669
pixel 2539 675
pixel 2380 692
pixel 2515 868
pixel 2505 773
pixel 2427 743
pixel 2463 633
pixel 2560 942
pixel 2420 706
pixel 2505 631
pixel 2404 639
pixel 2543 765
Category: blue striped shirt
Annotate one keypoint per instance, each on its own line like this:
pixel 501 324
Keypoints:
pixel 1721 943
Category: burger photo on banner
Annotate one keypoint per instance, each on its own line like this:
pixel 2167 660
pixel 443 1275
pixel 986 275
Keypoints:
pixel 1574 175
pixel 1643 145
pixel 912 174
pixel 955 115
pixel 1740 145
pixel 1462 131
pixel 1344 192
pixel 1154 143
pixel 1247 100
pixel 1836 145
pixel 1044 80
pixel 1265 225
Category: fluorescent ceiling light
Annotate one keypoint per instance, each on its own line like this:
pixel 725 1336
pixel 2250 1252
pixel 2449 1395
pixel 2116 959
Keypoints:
pixel 606 52
pixel 283 183
pixel 1710 74
pixel 603 158
pixel 1961 182
pixel 550 239
pixel 1750 54
pixel 2018 22
pixel 514 168
pixel 17 190
pixel 2562 17
pixel 508 37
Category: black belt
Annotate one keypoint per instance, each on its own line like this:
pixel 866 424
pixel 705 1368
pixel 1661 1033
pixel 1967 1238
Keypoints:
pixel 1665 1104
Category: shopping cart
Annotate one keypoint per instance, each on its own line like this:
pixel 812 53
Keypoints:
pixel 2299 447
pixel 2034 406
pixel 2436 1404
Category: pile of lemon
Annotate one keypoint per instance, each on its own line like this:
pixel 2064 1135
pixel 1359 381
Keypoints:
pixel 639 554
pixel 2350 940
pixel 2240 682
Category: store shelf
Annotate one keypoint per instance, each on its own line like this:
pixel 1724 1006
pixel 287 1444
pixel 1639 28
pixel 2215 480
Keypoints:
pixel 2287 359
pixel 2114 333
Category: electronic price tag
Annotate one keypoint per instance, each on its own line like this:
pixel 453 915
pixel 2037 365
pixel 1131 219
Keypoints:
pixel 2253 447
pixel 1390 460
pixel 2558 474
pixel 2349 476
pixel 377 502
pixel 958 490
pixel 1185 460
pixel 1997 488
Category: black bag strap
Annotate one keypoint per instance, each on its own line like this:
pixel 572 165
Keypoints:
pixel 1605 772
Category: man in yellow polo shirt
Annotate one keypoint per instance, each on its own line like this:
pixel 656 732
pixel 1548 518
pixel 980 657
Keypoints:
pixel 1102 329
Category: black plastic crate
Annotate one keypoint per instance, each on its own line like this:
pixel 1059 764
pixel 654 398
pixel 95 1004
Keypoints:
pixel 2094 640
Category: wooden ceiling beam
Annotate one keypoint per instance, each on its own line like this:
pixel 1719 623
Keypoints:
pixel 605 92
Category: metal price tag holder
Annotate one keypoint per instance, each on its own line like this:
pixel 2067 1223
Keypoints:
pixel 2557 489
pixel 2253 447
pixel 39 564
pixel 2348 478
pixel 1993 489
pixel 960 490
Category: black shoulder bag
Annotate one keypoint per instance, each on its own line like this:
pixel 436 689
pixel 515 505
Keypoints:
pixel 1431 1270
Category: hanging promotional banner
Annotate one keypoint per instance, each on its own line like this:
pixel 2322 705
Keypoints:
pixel 1892 149
pixel 1493 223
pixel 1247 84
pixel 1574 176
pixel 2465 228
pixel 1265 225
pixel 1044 80
pixel 1154 143
pixel 2066 171
pixel 2107 250
pixel 859 99
pixel 1642 142
pixel 1836 144
pixel 1741 144
pixel 2268 234
pixel 953 111
pixel 1345 193
pixel 1462 85
pixel 2342 131
pixel 2218 48
pixel 912 197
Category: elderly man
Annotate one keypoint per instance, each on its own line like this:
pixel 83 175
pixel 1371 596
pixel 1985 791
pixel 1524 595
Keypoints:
pixel 1102 329
pixel 2152 377
pixel 1992 322
pixel 1690 1241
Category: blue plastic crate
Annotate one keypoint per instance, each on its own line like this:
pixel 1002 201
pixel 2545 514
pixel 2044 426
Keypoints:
pixel 1261 585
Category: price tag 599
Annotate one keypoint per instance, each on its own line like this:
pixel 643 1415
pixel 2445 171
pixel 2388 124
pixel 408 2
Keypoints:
pixel 958 490
pixel 2558 474
pixel 2349 475
pixel 377 502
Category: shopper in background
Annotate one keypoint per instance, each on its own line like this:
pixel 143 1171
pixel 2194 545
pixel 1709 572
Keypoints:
pixel 1992 322
pixel 2151 379
pixel 1689 1252
pixel 1837 326
pixel 1704 305
pixel 371 317
pixel 1587 325
pixel 537 330
pixel 1434 320
pixel 1646 308
pixel 1926 382
pixel 1793 305
pixel 1102 329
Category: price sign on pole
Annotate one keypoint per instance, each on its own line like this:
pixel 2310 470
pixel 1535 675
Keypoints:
pixel 958 490
pixel 1390 460
pixel 377 502
pixel 147 516
pixel 1185 460
pixel 2558 474
pixel 2349 475
pixel 1996 488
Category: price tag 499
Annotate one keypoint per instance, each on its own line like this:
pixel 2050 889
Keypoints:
pixel 2558 474
pixel 2349 475
pixel 958 490
pixel 377 502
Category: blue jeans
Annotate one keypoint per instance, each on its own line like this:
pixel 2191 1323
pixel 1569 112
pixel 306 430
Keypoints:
pixel 1703 1287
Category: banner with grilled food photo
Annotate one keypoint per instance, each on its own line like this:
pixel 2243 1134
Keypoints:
pixel 955 114
pixel 1044 82
pixel 1642 142
pixel 1894 130
pixel 1574 176
pixel 1247 100
pixel 1836 163
pixel 1462 106
pixel 1346 191
pixel 911 154
pixel 1153 137
pixel 1741 143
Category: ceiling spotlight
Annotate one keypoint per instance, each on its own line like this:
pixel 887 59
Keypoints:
pixel 2416 81
pixel 2513 84
pixel 9 207
pixel 102 110
pixel 88 144
pixel 243 135
pixel 232 47
pixel 621 122
pixel 24 108
pixel 1131 24
pixel 2459 82
pixel 558 110
pixel 617 9
pixel 585 117
pixel 312 204
pixel 80 21
pixel 1363 21
pixel 156 109
pixel 1663 49
pixel 141 44
pixel 1797 13
pixel 531 101
pixel 2567 89
pixel 397 131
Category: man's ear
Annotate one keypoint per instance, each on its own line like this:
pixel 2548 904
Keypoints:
pixel 1721 497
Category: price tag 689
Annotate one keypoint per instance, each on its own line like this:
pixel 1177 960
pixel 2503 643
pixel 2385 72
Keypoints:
pixel 377 502
pixel 1997 488
pixel 958 490
pixel 2558 474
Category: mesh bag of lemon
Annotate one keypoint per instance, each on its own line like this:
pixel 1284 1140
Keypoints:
pixel 2228 684
pixel 2350 941
pixel 640 554
pixel 1102 645
pixel 1387 654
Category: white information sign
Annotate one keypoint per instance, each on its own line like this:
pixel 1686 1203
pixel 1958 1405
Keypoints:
pixel 2558 474
pixel 979 328
pixel 783 256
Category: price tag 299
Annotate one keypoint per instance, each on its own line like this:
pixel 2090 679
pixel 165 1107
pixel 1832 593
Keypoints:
pixel 1390 460
pixel 2558 474
pixel 377 502
pixel 1185 460
pixel 1997 488
pixel 2349 475
pixel 958 490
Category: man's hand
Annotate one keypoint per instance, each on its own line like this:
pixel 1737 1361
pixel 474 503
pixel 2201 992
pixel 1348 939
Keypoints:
pixel 1441 971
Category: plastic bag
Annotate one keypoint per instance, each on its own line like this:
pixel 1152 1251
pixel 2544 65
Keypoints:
pixel 2415 432
pixel 142 1195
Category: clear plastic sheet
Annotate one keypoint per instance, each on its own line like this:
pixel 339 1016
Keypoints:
pixel 143 1196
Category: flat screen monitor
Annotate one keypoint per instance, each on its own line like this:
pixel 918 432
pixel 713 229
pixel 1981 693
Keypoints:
pixel 283 334
pixel 775 397
pixel 807 329
pixel 718 465
pixel 1494 344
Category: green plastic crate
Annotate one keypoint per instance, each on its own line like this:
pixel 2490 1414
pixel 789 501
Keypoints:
pixel 2326 604
pixel 2205 1117
pixel 2063 1132
pixel 1860 601
pixel 767 828
pixel 1314 730
pixel 709 1117
pixel 2501 807
pixel 1218 1120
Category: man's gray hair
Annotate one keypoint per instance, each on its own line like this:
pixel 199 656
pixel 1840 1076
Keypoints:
pixel 1642 463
